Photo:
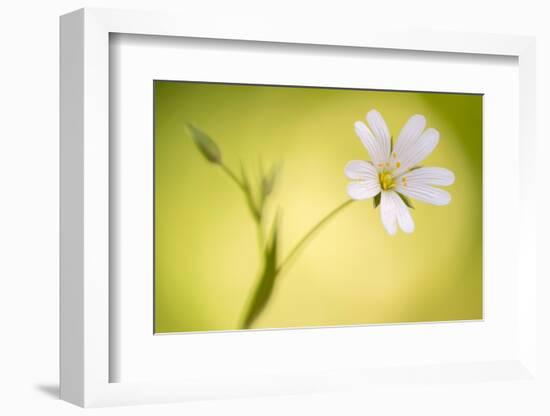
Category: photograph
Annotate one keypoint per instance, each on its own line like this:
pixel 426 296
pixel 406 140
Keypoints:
pixel 280 207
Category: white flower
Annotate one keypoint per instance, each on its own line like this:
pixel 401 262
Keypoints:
pixel 393 175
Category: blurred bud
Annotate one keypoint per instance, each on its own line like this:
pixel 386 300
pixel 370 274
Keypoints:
pixel 205 144
pixel 268 181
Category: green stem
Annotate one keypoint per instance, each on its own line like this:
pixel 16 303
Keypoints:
pixel 256 214
pixel 234 177
pixel 310 234
pixel 247 193
pixel 268 279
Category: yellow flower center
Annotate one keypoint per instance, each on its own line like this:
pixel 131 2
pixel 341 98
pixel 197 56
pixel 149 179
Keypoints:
pixel 386 181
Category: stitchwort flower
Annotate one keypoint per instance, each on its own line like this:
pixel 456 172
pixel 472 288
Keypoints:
pixel 392 176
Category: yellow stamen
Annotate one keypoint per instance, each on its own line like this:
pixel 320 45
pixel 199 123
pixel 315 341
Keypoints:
pixel 398 165
pixel 386 181
pixel 394 154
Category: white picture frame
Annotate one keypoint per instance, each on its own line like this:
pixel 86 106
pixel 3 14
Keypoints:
pixel 86 356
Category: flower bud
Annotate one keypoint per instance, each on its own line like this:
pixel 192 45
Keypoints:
pixel 205 144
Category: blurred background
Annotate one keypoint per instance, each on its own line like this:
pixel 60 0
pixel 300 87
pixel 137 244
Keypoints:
pixel 352 272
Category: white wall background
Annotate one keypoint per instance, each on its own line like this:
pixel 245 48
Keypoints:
pixel 29 183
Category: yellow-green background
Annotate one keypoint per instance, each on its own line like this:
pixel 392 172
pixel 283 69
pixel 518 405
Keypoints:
pixel 353 272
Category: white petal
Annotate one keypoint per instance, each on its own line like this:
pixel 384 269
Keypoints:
pixel 424 193
pixel 368 186
pixel 418 151
pixel 404 218
pixel 388 212
pixel 394 211
pixel 363 190
pixel 429 176
pixel 409 134
pixel 359 169
pixel 371 143
pixel 380 130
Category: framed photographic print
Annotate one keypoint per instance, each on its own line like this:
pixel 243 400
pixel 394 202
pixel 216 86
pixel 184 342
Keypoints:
pixel 300 205
pixel 271 212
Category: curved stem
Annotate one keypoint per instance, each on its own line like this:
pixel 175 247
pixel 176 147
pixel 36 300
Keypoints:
pixel 234 177
pixel 243 185
pixel 310 234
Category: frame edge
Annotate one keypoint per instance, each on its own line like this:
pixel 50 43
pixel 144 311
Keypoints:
pixel 71 221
